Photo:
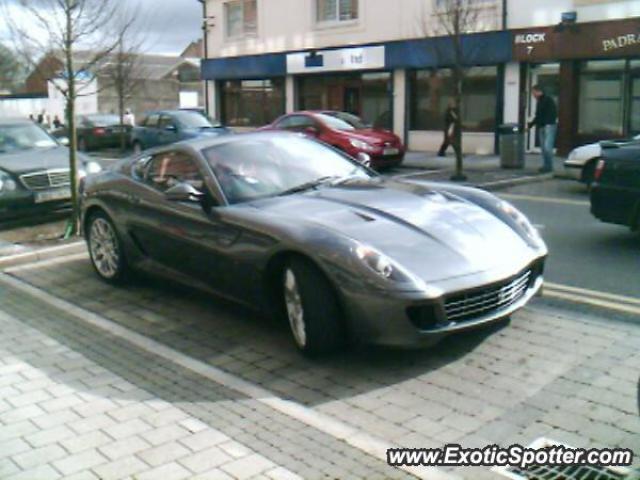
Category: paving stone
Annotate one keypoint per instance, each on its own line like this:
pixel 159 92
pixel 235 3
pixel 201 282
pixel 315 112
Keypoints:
pixel 120 468
pixel 79 461
pixel 169 471
pixel 127 429
pixel 44 472
pixel 206 460
pixel 163 453
pixel 48 436
pixel 127 446
pixel 89 424
pixel 204 439
pixel 247 467
pixel 86 441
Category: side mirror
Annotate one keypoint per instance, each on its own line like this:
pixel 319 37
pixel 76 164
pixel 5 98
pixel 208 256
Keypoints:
pixel 184 192
pixel 311 131
pixel 63 141
pixel 364 159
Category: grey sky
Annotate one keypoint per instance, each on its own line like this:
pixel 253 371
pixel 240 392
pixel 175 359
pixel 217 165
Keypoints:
pixel 171 24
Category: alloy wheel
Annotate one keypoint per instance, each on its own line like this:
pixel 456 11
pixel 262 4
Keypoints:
pixel 104 249
pixel 295 310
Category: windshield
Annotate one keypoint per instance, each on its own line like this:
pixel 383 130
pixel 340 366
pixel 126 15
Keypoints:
pixel 23 136
pixel 193 120
pixel 262 167
pixel 335 122
pixel 352 120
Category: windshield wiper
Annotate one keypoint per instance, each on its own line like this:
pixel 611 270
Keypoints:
pixel 309 185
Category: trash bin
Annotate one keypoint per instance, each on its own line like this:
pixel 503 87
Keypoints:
pixel 511 146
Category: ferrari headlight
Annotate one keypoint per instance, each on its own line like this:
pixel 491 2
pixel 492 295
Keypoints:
pixel 518 217
pixel 361 145
pixel 376 261
pixel 7 184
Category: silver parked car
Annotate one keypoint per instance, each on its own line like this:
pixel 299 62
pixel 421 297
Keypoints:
pixel 292 225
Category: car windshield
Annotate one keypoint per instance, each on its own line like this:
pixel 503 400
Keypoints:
pixel 256 167
pixel 355 122
pixel 23 136
pixel 104 120
pixel 193 120
pixel 335 122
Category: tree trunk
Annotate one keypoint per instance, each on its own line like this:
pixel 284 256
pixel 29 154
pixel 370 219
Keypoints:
pixel 74 222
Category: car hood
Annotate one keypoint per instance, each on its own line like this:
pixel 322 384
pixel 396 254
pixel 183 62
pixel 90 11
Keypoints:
pixel 435 235
pixel 37 159
pixel 371 136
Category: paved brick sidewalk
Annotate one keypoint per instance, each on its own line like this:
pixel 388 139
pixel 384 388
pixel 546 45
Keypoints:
pixel 549 373
pixel 76 403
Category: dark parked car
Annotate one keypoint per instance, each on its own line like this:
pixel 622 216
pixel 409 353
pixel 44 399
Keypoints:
pixel 287 223
pixel 34 170
pixel 98 131
pixel 615 193
pixel 170 126
pixel 348 133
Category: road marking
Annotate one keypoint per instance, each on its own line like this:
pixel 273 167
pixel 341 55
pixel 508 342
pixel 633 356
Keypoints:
pixel 42 254
pixel 47 263
pixel 533 198
pixel 594 293
pixel 370 444
pixel 608 301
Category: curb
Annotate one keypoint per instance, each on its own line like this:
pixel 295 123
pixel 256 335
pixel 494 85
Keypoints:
pixel 42 254
pixel 512 182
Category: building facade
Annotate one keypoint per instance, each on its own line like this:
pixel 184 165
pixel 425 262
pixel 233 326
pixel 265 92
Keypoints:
pixel 390 62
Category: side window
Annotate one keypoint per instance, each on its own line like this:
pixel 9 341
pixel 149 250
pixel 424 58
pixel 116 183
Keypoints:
pixel 165 121
pixel 139 166
pixel 170 168
pixel 152 120
pixel 296 123
pixel 285 123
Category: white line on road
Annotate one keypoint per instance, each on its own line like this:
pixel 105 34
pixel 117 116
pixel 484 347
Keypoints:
pixel 47 263
pixel 533 198
pixel 42 254
pixel 371 445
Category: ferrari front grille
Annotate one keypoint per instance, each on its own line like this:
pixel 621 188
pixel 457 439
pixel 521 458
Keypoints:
pixel 45 179
pixel 478 302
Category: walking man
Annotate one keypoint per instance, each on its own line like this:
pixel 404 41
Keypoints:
pixel 450 128
pixel 546 125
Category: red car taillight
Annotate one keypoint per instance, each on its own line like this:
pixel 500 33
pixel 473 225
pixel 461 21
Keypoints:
pixel 599 169
pixel 99 131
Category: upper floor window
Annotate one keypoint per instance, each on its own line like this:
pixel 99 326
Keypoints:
pixel 241 18
pixel 331 11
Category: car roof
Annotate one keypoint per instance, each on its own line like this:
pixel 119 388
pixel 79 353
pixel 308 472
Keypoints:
pixel 15 121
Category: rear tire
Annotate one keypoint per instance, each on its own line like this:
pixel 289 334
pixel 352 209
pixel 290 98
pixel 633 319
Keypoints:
pixel 105 249
pixel 312 308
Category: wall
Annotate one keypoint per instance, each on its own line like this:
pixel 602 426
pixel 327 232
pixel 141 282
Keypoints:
pixel 522 13
pixel 22 107
pixel 473 143
pixel 149 95
pixel 290 25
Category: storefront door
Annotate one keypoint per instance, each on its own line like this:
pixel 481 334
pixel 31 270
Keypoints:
pixel 548 77
pixel 634 104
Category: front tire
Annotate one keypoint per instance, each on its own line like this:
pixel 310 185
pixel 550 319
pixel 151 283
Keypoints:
pixel 105 249
pixel 312 308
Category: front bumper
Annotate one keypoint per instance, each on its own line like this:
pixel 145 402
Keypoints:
pixel 573 170
pixel 23 204
pixel 389 319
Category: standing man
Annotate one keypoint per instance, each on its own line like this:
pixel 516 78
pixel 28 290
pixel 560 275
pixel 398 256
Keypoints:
pixel 546 123
pixel 450 126
pixel 129 118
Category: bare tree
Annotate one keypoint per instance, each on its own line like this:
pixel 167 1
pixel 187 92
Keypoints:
pixel 456 18
pixel 61 29
pixel 11 69
pixel 123 70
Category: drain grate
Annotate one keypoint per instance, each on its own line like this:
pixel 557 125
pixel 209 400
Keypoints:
pixel 562 472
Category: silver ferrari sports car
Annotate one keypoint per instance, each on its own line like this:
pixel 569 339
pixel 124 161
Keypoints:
pixel 302 230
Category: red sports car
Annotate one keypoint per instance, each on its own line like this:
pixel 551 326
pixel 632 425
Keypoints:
pixel 347 133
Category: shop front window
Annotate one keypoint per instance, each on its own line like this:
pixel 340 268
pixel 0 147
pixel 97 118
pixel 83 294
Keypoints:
pixel 367 95
pixel 432 89
pixel 601 103
pixel 241 18
pixel 252 103
pixel 330 11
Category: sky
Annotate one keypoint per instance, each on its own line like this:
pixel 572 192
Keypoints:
pixel 171 24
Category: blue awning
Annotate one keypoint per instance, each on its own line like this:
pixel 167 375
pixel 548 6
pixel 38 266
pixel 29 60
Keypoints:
pixel 490 48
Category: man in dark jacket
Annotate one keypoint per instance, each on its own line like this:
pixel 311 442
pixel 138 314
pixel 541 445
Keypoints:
pixel 546 123
pixel 450 128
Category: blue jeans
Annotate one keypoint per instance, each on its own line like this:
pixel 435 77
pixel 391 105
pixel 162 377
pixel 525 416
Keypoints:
pixel 547 137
